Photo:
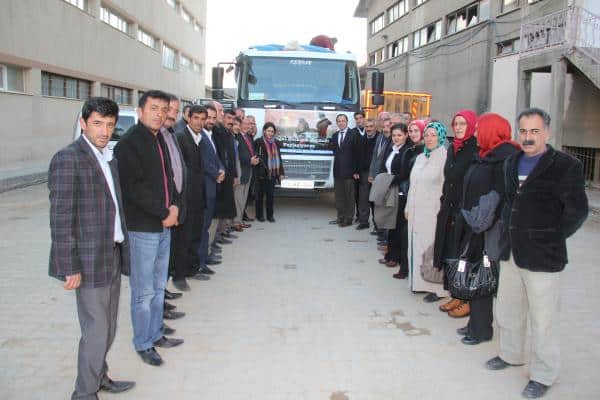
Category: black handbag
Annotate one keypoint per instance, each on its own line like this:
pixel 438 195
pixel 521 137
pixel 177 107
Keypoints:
pixel 469 280
pixel 260 169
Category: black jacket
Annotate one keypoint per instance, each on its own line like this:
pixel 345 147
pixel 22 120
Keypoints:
pixel 548 208
pixel 225 203
pixel 192 158
pixel 244 156
pixel 447 229
pixel 401 166
pixel 367 147
pixel 142 180
pixel 347 157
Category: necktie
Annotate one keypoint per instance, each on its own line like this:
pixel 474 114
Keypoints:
pixel 341 137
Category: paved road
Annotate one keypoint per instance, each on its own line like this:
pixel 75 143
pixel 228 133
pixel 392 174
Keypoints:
pixel 300 310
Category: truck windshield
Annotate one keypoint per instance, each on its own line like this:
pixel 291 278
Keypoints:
pixel 295 81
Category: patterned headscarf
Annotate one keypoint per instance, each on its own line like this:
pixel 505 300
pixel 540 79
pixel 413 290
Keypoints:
pixel 441 132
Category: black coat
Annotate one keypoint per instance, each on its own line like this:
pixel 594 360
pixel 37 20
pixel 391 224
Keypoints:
pixel 484 176
pixel 548 208
pixel 142 181
pixel 347 157
pixel 447 230
pixel 260 149
pixel 192 158
pixel 225 203
pixel 401 166
pixel 367 147
pixel 244 156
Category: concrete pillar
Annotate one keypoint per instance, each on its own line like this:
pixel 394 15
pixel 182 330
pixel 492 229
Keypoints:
pixel 523 93
pixel 96 88
pixel 32 81
pixel 557 101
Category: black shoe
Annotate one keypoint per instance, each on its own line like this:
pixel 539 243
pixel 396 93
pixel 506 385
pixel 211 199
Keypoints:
pixel 167 330
pixel 534 390
pixel 471 341
pixel 212 261
pixel 247 219
pixel 431 298
pixel 111 386
pixel 168 342
pixel 400 275
pixel 217 257
pixel 206 270
pixel 344 224
pixel 497 363
pixel 360 227
pixel 271 219
pixel 172 295
pixel 464 331
pixel 374 232
pixel 150 356
pixel 334 222
pixel 260 219
pixel 229 235
pixel 224 241
pixel 181 284
pixel 201 277
pixel 168 306
pixel 215 249
pixel 173 314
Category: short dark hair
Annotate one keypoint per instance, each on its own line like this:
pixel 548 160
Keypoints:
pixel 172 97
pixel 399 126
pixel 102 105
pixel 269 125
pixel 237 119
pixel 186 108
pixel 359 112
pixel 211 108
pixel 529 112
pixel 341 115
pixel 155 94
pixel 230 112
pixel 196 109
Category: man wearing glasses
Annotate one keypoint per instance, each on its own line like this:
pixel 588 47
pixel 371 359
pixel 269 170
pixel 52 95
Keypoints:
pixel 545 204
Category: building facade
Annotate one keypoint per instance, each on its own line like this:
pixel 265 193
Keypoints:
pixel 471 54
pixel 54 54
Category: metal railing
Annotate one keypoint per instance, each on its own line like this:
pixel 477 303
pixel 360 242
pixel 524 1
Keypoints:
pixel 571 27
pixel 590 158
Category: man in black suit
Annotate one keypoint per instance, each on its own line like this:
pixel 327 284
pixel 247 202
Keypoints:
pixel 89 249
pixel 368 141
pixel 248 160
pixel 346 165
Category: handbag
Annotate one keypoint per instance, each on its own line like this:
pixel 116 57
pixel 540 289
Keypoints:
pixel 260 169
pixel 430 273
pixel 468 280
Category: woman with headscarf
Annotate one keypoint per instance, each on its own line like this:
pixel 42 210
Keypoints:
pixel 269 170
pixel 461 155
pixel 482 232
pixel 415 134
pixel 426 182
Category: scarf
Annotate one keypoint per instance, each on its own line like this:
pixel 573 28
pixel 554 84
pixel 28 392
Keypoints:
pixel 441 133
pixel 272 157
pixel 492 131
pixel 419 123
pixel 471 119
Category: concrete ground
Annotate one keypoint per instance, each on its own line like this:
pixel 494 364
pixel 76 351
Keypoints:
pixel 299 310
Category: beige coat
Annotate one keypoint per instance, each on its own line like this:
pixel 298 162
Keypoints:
pixel 423 204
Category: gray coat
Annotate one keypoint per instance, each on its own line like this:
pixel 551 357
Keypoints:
pixel 385 198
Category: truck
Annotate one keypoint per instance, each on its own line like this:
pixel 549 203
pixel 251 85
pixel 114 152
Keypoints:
pixel 296 87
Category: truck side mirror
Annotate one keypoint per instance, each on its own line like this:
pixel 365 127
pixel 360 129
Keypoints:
pixel 377 88
pixel 217 82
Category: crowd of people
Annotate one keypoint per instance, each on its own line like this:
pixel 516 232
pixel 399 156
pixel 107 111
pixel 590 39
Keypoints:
pixel 174 192
pixel 481 199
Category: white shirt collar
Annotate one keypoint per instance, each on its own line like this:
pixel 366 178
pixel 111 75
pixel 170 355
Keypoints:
pixel 104 153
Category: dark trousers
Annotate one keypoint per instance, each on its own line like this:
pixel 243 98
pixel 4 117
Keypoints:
pixel 364 207
pixel 266 191
pixel 185 243
pixel 481 318
pixel 207 218
pixel 97 311
pixel 344 199
pixel 398 238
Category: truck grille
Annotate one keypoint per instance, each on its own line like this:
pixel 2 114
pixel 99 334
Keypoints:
pixel 307 169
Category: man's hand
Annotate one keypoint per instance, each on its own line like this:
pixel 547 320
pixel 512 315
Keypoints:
pixel 356 176
pixel 221 176
pixel 406 215
pixel 171 219
pixel 73 282
pixel 254 160
pixel 371 179
pixel 236 182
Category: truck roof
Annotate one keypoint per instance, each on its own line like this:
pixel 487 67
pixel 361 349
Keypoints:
pixel 301 51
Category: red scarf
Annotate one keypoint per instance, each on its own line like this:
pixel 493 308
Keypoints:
pixel 492 131
pixel 471 119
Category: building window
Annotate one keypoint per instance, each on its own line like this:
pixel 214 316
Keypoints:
pixel 78 3
pixel 398 47
pixel 197 27
pixel 172 3
pixel 508 5
pixel 2 77
pixel 377 56
pixel 508 47
pixel 397 10
pixel 185 15
pixel 419 2
pixel 146 38
pixel 468 16
pixel 65 86
pixel 377 24
pixel 185 62
pixel 11 78
pixel 428 34
pixel 109 17
pixel 120 95
pixel 168 57
pixel 197 68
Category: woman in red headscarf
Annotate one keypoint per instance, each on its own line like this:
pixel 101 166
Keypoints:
pixel 482 233
pixel 461 155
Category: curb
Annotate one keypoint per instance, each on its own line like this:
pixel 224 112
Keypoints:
pixel 17 182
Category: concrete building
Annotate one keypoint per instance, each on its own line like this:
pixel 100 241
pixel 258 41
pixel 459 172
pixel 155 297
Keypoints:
pixel 496 55
pixel 54 54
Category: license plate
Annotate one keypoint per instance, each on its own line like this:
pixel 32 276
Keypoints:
pixel 297 184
